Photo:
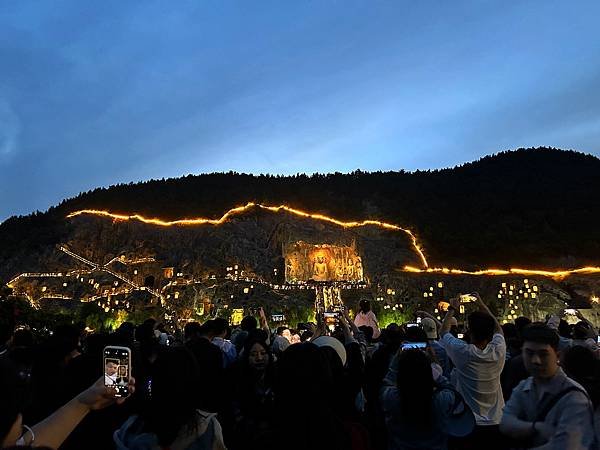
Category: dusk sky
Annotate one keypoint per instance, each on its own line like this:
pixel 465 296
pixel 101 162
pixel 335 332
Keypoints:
pixel 99 93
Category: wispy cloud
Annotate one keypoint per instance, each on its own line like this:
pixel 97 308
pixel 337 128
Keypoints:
pixel 10 127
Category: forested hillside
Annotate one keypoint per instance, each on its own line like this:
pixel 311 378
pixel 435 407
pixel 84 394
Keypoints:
pixel 529 207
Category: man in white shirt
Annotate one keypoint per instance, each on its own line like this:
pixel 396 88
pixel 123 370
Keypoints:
pixel 476 375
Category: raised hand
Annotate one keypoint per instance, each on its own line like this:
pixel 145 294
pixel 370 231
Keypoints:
pixel 455 302
pixel 99 396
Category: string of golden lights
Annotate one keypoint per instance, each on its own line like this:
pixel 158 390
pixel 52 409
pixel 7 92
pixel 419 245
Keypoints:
pixel 560 273
pixel 241 209
pixel 511 271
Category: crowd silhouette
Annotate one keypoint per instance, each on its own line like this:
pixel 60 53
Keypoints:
pixel 428 384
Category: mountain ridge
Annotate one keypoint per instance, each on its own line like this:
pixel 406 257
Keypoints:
pixel 522 207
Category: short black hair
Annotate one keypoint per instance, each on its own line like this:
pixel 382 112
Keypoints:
pixel 540 333
pixel 191 330
pixel 248 323
pixel 219 325
pixel 481 326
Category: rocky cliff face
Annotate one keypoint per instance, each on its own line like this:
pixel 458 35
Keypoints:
pixel 254 241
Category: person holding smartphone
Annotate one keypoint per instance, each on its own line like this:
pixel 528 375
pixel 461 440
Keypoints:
pixel 476 375
pixel 420 412
pixel 53 430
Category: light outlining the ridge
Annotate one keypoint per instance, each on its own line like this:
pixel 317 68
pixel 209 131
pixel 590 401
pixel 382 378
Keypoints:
pixel 241 209
pixel 352 224
pixel 512 271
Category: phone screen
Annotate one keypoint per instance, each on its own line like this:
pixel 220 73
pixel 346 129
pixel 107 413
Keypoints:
pixel 467 298
pixel 411 345
pixel 409 325
pixel 331 319
pixel 460 335
pixel 117 369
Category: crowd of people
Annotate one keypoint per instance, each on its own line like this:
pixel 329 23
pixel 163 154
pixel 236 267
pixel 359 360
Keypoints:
pixel 427 384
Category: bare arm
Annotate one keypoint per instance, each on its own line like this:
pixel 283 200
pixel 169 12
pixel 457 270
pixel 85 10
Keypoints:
pixel 350 322
pixel 446 323
pixel 264 324
pixel 53 430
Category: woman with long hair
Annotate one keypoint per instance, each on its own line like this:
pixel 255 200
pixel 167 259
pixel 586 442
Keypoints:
pixel 252 381
pixel 419 413
pixel 305 417
pixel 171 418
pixel 366 318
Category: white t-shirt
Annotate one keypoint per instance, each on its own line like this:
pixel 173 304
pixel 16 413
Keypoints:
pixel 477 375
pixel 369 320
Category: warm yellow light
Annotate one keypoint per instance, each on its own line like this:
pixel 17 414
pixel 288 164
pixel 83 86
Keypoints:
pixel 558 274
pixel 241 209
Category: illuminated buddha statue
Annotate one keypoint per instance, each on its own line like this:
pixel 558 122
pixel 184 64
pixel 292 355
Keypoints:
pixel 350 269
pixel 359 268
pixel 320 269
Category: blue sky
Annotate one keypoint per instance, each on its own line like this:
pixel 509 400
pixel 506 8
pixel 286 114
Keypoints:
pixel 98 93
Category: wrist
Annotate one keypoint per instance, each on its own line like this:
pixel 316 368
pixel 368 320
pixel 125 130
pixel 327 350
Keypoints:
pixel 81 404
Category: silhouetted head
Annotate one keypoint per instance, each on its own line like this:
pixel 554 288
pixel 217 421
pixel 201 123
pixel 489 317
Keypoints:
pixel 364 306
pixel 191 330
pixel 303 377
pixel 219 327
pixel 415 388
pixel 481 327
pixel 583 330
pixel 248 323
pixel 520 323
pixel 175 393
pixel 579 363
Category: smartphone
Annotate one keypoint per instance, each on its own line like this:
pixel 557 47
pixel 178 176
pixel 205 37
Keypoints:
pixel 277 317
pixel 460 335
pixel 409 325
pixel 116 365
pixel 467 298
pixel 331 319
pixel 571 312
pixel 412 345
